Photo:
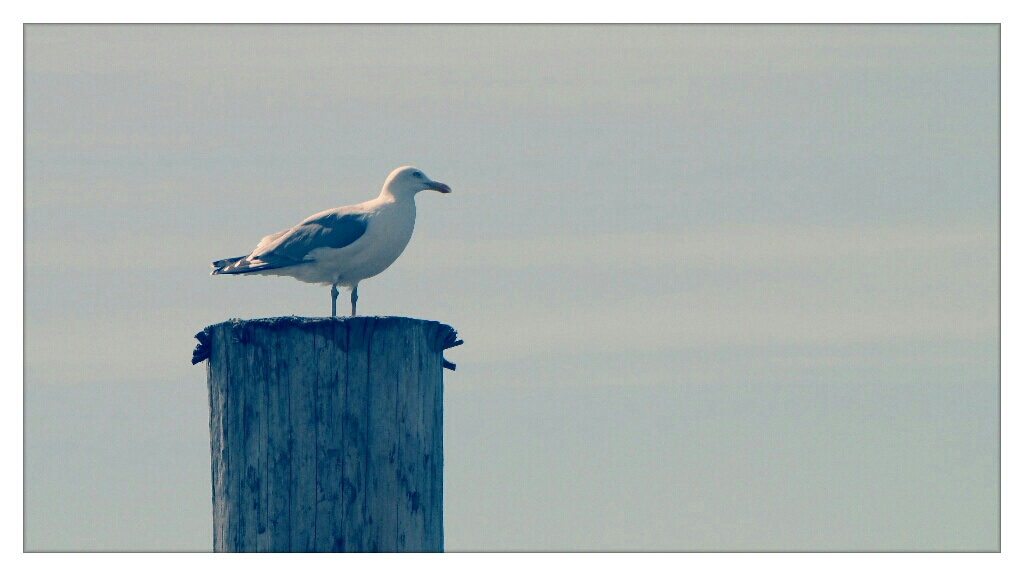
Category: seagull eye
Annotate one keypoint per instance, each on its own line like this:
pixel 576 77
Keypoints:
pixel 418 174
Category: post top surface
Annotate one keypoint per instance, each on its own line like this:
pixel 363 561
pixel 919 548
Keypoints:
pixel 443 335
pixel 302 321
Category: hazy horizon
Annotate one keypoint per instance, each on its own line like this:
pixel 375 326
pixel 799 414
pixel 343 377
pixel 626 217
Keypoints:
pixel 722 287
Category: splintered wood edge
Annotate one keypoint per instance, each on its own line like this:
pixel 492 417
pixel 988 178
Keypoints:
pixel 445 336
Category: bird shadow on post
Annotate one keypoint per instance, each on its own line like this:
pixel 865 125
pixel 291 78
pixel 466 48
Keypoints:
pixel 326 433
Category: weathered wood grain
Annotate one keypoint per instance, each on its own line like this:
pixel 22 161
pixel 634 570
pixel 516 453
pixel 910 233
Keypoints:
pixel 409 427
pixel 279 454
pixel 433 392
pixel 216 373
pixel 329 443
pixel 326 434
pixel 355 432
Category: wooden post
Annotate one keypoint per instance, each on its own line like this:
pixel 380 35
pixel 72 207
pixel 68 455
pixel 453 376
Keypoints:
pixel 326 433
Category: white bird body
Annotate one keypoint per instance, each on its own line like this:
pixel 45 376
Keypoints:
pixel 342 246
pixel 389 226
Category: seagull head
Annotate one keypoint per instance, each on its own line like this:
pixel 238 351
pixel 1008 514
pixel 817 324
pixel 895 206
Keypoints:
pixel 407 181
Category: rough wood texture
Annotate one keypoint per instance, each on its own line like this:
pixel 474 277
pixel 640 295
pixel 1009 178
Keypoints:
pixel 326 434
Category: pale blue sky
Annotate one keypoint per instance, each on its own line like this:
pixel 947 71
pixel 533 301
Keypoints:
pixel 722 287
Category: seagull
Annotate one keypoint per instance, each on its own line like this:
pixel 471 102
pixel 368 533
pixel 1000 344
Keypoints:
pixel 341 246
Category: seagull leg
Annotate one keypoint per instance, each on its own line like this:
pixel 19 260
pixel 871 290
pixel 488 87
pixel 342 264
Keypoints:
pixel 355 296
pixel 334 300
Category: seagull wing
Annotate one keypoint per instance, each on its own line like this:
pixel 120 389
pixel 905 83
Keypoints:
pixel 271 237
pixel 330 229
pixel 240 264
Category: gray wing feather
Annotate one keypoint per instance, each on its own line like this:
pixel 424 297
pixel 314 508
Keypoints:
pixel 330 230
pixel 267 240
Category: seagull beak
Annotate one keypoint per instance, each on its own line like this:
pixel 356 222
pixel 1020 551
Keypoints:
pixel 440 187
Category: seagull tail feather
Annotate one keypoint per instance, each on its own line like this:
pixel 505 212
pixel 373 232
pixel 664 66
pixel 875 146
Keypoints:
pixel 241 265
pixel 228 261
